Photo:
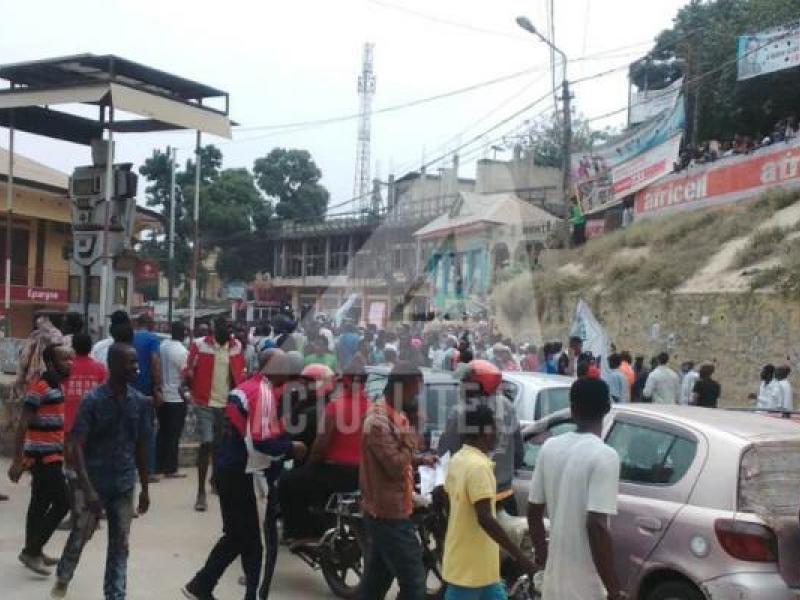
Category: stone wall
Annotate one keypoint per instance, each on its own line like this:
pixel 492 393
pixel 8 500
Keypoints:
pixel 737 332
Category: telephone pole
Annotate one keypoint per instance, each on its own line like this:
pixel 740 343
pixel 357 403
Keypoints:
pixel 566 143
pixel 171 262
pixel 366 91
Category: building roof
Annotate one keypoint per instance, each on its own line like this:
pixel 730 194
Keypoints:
pixel 33 174
pixel 164 101
pixel 473 209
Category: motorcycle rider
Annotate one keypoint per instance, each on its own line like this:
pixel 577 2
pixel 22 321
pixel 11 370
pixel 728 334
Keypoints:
pixel 332 462
pixel 481 385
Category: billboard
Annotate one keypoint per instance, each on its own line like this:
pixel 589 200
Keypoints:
pixel 722 182
pixel 648 104
pixel 593 172
pixel 768 51
pixel 648 167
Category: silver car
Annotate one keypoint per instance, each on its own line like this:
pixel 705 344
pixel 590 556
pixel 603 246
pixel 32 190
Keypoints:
pixel 536 395
pixel 708 501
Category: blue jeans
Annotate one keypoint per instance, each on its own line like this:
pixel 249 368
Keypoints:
pixel 496 591
pixel 119 512
pixel 393 552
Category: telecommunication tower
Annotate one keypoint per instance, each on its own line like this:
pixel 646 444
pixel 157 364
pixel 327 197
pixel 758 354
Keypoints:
pixel 366 90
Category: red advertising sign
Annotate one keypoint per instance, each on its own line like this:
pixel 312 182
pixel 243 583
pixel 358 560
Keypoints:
pixel 725 181
pixel 639 172
pixel 35 295
pixel 146 270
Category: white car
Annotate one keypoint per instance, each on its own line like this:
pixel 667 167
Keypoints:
pixel 536 395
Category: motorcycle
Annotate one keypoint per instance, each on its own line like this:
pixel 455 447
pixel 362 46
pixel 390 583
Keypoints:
pixel 339 554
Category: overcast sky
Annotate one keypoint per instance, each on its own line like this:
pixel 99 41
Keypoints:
pixel 284 62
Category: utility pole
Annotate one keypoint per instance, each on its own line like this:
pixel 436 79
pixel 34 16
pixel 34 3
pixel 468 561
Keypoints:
pixel 566 148
pixel 196 242
pixel 171 262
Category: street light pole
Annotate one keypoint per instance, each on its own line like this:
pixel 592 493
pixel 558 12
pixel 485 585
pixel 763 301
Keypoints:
pixel 566 142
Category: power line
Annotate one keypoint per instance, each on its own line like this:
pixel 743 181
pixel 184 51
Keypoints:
pixel 402 105
pixel 448 22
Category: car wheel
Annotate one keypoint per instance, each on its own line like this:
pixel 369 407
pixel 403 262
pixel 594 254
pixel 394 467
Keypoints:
pixel 675 590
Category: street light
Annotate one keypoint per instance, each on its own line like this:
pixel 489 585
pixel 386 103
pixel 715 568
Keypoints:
pixel 525 23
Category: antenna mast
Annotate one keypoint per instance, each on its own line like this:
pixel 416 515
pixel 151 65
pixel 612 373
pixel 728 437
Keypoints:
pixel 362 189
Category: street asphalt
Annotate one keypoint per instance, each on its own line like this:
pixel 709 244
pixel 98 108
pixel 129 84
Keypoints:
pixel 168 545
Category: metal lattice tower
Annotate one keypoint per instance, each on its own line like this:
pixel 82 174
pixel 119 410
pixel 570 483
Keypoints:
pixel 366 90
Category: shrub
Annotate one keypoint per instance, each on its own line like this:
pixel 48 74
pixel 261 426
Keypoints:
pixel 761 245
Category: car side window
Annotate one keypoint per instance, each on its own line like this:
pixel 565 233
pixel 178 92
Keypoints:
pixel 649 456
pixel 551 400
pixel 510 391
pixel 534 445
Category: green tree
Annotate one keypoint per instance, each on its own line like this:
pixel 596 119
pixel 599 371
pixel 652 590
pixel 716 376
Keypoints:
pixel 544 140
pixel 231 211
pixel 704 38
pixel 233 218
pixel 291 178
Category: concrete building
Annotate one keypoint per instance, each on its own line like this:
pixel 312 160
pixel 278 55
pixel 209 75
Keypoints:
pixel 463 251
pixel 41 232
pixel 41 241
pixel 375 256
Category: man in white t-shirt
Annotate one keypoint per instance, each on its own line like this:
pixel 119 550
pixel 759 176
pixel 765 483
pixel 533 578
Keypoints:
pixel 663 386
pixel 172 412
pixel 575 481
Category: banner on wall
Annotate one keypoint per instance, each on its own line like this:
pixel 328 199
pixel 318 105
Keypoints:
pixel 724 181
pixel 768 51
pixel 593 171
pixel 639 172
pixel 648 104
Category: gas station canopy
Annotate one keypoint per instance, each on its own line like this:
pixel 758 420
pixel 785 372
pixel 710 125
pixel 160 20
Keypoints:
pixel 165 101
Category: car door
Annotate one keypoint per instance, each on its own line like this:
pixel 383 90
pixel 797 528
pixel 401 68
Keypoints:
pixel 657 468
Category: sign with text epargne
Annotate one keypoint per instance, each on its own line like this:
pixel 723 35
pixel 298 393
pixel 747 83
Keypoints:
pixel 725 181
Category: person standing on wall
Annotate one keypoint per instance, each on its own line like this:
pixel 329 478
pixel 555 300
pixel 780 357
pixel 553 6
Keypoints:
pixel 214 367
pixel 578 221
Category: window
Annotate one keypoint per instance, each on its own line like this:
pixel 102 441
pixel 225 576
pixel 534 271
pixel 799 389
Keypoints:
pixel 294 258
pixel 19 255
pixel 339 256
pixel 74 289
pixel 534 445
pixel 649 456
pixel 121 290
pixel 94 289
pixel 551 400
pixel 315 257
pixel 510 391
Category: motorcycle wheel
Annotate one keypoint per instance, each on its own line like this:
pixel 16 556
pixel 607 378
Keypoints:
pixel 343 565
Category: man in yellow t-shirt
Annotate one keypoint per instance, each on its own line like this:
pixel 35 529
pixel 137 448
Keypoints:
pixel 474 537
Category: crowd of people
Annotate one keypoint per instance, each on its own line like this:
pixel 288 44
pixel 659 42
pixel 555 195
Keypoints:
pixel 785 130
pixel 283 407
